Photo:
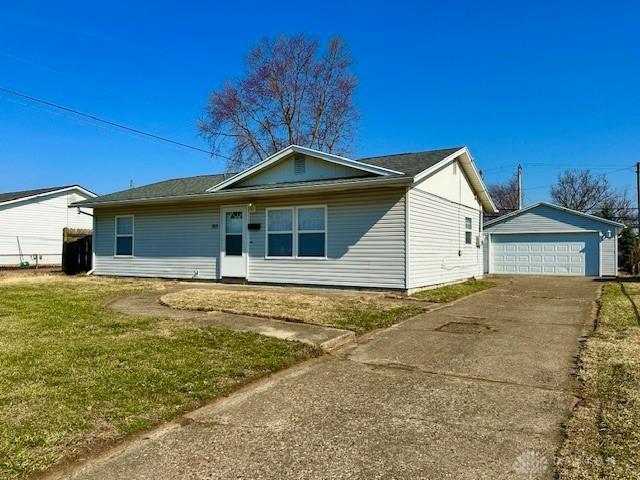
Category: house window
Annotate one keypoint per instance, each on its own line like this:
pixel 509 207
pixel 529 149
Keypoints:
pixel 280 232
pixel 124 236
pixel 468 230
pixel 312 231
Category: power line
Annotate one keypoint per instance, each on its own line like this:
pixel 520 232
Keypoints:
pixel 108 122
pixel 603 174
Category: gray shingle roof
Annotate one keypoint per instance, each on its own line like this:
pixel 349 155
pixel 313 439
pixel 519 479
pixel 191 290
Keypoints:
pixel 410 163
pixel 407 163
pixel 9 196
pixel 175 187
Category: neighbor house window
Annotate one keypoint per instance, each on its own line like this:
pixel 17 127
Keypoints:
pixel 124 236
pixel 312 231
pixel 280 232
pixel 468 230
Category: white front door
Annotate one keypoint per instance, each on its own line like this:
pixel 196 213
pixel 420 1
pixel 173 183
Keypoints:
pixel 233 244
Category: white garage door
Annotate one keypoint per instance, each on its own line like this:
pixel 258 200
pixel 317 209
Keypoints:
pixel 546 254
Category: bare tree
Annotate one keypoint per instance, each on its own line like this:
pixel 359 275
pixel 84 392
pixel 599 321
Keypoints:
pixel 505 195
pixel 587 192
pixel 292 93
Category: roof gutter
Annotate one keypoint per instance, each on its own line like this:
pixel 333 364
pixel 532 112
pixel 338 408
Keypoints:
pixel 50 192
pixel 262 192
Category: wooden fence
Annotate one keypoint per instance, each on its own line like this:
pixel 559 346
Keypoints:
pixel 76 250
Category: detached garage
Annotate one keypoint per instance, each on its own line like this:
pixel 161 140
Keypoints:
pixel 546 239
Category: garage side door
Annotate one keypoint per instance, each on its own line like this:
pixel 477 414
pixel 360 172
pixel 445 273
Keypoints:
pixel 546 254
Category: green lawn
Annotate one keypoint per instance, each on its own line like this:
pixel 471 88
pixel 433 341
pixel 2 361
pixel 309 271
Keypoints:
pixel 603 433
pixel 449 293
pixel 74 375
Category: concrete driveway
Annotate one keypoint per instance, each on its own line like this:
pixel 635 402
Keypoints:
pixel 475 390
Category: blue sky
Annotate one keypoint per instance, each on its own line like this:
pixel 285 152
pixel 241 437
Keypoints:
pixel 550 84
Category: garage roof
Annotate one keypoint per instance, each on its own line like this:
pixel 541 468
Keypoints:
pixel 551 205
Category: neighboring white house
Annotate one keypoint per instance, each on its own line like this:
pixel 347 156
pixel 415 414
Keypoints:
pixel 546 239
pixel 31 223
pixel 303 216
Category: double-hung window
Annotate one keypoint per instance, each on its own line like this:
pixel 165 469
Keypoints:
pixel 280 232
pixel 312 231
pixel 124 236
pixel 297 232
pixel 468 230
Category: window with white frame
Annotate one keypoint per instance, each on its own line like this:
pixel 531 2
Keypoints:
pixel 124 236
pixel 280 232
pixel 297 232
pixel 312 231
pixel 468 230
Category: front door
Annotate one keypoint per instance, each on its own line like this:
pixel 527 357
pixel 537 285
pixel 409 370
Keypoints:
pixel 233 244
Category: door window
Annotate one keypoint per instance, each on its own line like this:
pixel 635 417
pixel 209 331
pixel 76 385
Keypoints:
pixel 234 227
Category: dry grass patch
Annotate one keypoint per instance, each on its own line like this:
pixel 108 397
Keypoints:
pixel 74 374
pixel 449 293
pixel 603 433
pixel 358 312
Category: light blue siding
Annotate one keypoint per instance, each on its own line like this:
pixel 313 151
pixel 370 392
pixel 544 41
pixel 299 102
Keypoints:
pixel 544 219
pixel 437 249
pixel 366 241
pixel 170 241
pixel 314 169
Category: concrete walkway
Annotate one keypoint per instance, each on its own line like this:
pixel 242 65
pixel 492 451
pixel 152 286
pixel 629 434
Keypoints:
pixel 475 390
pixel 148 304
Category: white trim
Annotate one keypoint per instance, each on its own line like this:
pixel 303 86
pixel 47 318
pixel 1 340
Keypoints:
pixel 550 232
pixel 261 192
pixel 51 192
pixel 297 232
pixel 574 232
pixel 295 253
pixel 407 239
pixel 291 232
pixel 600 240
pixel 470 230
pixel 557 207
pixel 615 239
pixel 93 246
pixel 245 236
pixel 442 163
pixel 116 235
pixel 489 254
pixel 305 151
pixel 469 169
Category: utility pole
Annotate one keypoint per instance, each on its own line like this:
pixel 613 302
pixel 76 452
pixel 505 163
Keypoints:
pixel 638 194
pixel 519 174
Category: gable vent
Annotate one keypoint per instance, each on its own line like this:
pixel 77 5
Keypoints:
pixel 299 165
pixel 455 168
